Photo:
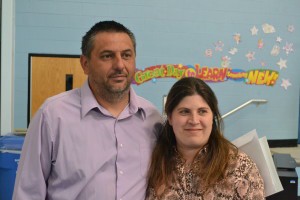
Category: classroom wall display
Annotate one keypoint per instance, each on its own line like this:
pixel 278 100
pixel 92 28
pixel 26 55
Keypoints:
pixel 210 74
pixel 258 74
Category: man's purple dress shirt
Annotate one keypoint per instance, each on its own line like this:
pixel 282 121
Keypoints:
pixel 75 149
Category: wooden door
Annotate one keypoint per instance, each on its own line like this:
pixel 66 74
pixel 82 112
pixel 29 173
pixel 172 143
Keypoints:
pixel 51 75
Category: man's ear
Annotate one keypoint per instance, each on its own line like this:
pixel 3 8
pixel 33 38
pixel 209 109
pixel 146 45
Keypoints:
pixel 84 64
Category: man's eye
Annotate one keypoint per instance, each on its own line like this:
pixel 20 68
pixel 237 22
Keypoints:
pixel 127 55
pixel 106 56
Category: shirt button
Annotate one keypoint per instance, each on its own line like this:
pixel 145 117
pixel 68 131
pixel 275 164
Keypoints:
pixel 121 145
pixel 121 172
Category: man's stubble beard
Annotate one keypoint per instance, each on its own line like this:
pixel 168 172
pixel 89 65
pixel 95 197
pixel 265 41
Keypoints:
pixel 109 94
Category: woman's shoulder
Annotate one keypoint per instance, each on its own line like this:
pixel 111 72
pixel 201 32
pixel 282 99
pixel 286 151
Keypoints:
pixel 240 161
pixel 240 157
pixel 243 172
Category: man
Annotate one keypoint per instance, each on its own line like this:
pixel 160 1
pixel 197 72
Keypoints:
pixel 94 142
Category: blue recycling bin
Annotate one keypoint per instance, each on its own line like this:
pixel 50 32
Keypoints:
pixel 10 150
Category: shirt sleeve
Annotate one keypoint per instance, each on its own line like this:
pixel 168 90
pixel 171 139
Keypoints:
pixel 249 183
pixel 35 162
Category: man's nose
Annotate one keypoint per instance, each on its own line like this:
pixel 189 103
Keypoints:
pixel 118 63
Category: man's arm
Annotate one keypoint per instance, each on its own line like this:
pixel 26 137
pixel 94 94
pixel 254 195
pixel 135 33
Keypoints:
pixel 35 162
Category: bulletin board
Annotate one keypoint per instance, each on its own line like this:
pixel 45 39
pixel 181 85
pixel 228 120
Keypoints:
pixel 50 75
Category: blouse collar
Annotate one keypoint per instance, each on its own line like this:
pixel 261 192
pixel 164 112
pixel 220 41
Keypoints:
pixel 181 161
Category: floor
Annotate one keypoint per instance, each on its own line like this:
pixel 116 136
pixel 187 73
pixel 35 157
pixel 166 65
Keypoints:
pixel 295 153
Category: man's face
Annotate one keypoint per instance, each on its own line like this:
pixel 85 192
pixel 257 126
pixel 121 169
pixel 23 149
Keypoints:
pixel 111 65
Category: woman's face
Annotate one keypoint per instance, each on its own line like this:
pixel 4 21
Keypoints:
pixel 192 121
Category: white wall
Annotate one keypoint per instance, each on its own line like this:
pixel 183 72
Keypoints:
pixel 7 49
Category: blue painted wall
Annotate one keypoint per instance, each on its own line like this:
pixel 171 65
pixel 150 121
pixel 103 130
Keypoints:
pixel 174 32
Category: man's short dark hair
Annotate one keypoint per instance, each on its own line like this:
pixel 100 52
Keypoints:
pixel 87 43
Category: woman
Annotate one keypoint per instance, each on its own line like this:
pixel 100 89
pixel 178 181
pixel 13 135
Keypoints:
pixel 192 159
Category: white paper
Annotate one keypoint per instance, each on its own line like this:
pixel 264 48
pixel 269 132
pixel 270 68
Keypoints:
pixel 259 151
pixel 268 156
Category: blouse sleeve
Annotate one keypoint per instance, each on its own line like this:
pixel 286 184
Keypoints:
pixel 249 184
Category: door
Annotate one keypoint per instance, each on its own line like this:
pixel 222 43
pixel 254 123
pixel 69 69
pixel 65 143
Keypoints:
pixel 51 75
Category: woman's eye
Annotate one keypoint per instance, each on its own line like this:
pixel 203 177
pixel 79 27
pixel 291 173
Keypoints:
pixel 202 111
pixel 184 112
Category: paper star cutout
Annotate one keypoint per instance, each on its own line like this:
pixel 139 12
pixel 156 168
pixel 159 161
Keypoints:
pixel 254 30
pixel 225 61
pixel 219 46
pixel 285 83
pixel 250 56
pixel 282 63
pixel 260 44
pixel 291 28
pixel 237 38
pixel 233 51
pixel 288 48
pixel 263 63
pixel 278 39
pixel 275 50
pixel 267 28
pixel 225 58
pixel 208 52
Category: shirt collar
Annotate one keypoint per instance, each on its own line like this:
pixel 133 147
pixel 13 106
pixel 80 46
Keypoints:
pixel 135 105
pixel 89 102
pixel 181 161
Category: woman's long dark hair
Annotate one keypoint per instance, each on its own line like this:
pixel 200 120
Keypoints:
pixel 214 162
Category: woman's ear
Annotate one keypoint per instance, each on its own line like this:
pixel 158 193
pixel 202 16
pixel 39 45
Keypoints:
pixel 215 119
